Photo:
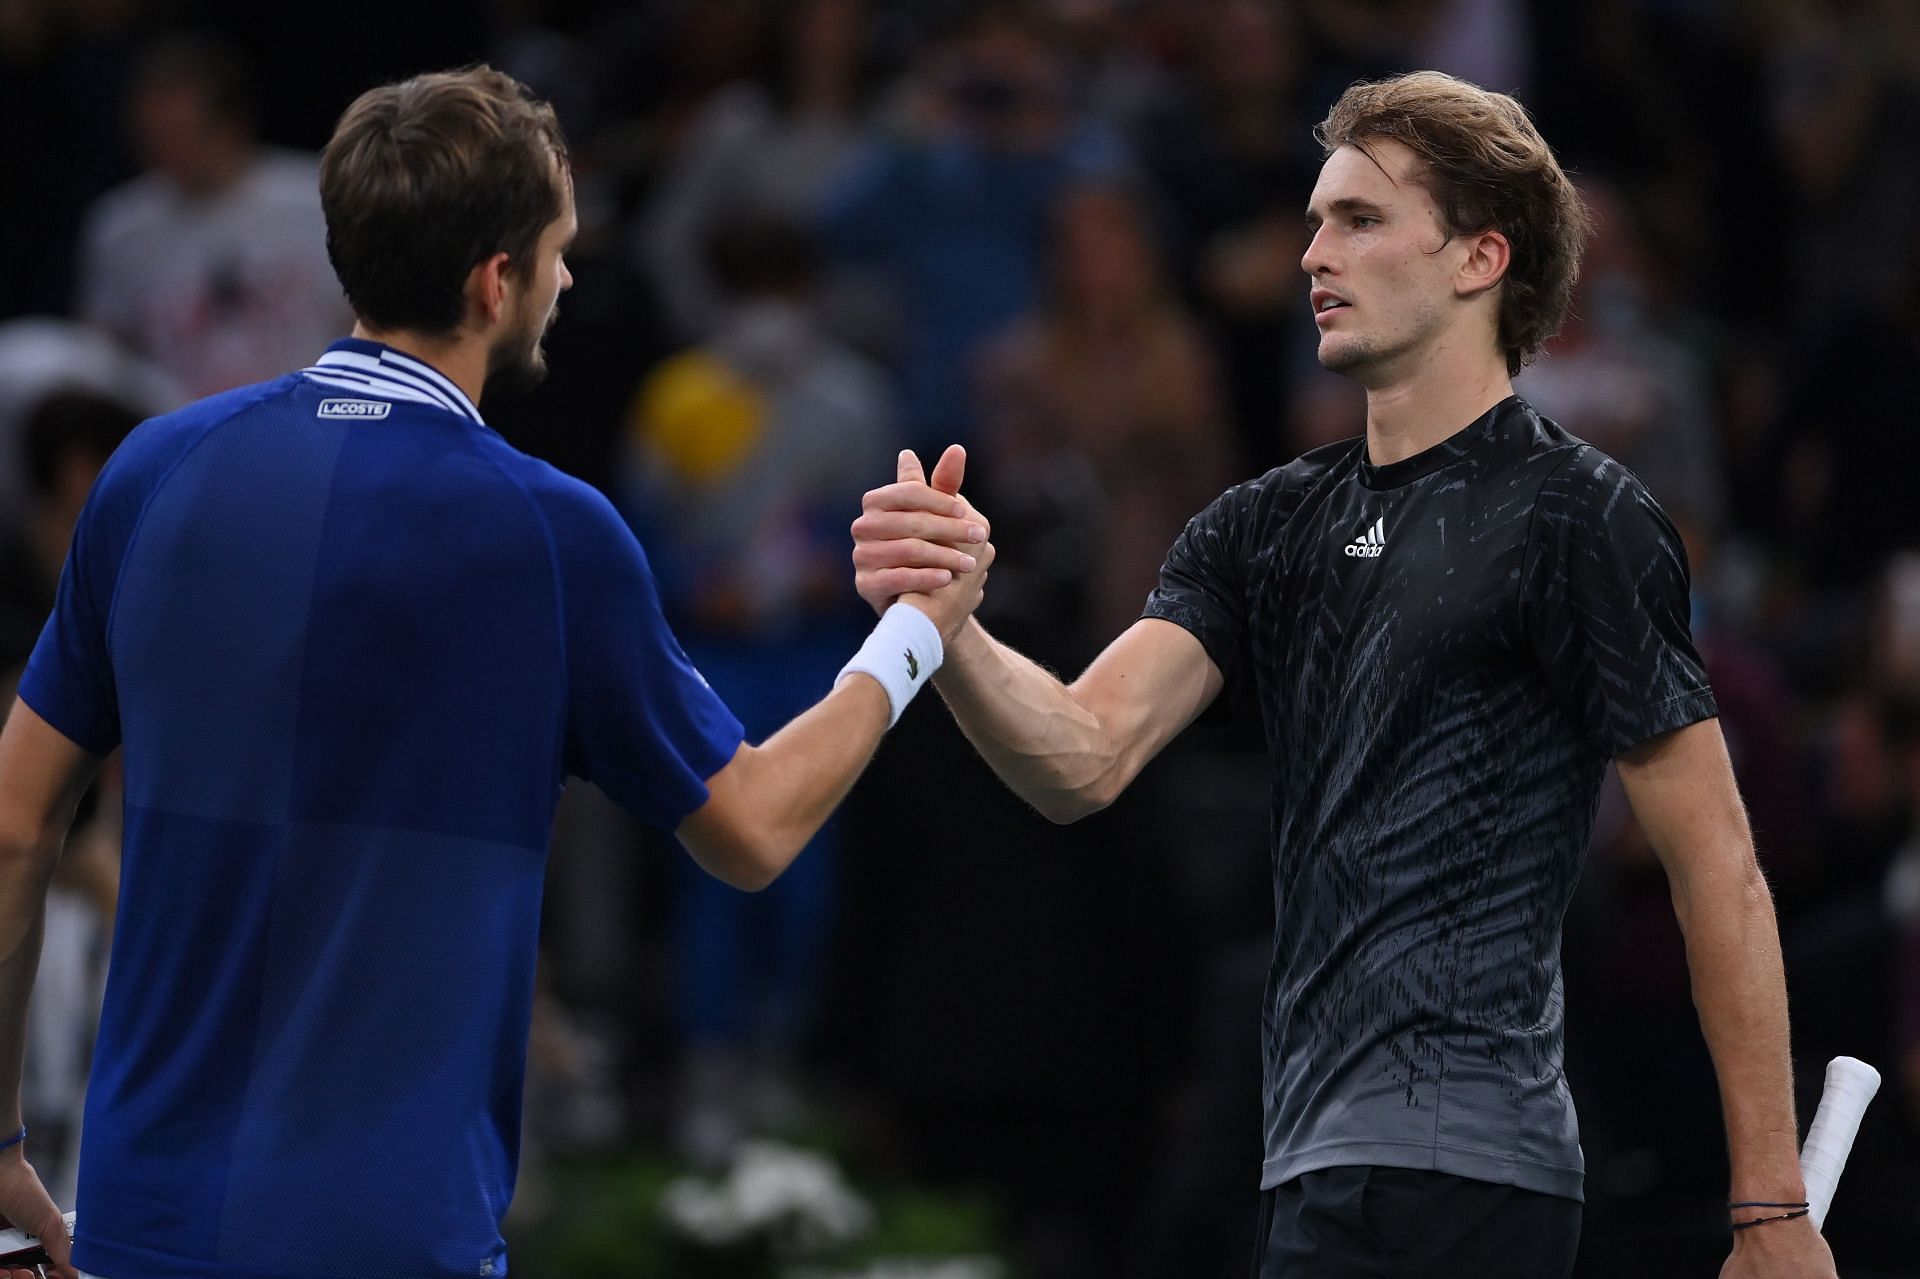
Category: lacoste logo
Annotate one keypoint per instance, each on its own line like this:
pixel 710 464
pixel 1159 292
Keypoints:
pixel 913 665
pixel 1370 543
pixel 355 408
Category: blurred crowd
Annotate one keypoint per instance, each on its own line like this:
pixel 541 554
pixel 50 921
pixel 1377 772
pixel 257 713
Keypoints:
pixel 1065 233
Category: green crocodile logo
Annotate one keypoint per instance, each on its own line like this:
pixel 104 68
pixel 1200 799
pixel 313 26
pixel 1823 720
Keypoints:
pixel 913 665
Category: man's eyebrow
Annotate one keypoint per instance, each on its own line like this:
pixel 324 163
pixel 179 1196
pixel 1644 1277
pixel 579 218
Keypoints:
pixel 1346 204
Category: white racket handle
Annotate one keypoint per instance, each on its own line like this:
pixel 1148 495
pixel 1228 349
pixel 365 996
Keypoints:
pixel 17 1240
pixel 1851 1084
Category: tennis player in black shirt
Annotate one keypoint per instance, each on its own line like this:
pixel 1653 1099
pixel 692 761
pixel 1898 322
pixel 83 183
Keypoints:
pixel 1450 627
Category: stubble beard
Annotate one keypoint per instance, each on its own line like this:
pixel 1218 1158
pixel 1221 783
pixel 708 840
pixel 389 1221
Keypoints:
pixel 1348 357
pixel 518 362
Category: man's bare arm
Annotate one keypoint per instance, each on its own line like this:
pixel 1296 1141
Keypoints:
pixel 1069 750
pixel 42 777
pixel 768 800
pixel 1682 790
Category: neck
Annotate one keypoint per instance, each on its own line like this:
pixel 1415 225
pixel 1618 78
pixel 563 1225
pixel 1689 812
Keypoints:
pixel 1413 409
pixel 461 360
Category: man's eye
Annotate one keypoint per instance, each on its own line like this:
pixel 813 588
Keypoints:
pixel 1362 220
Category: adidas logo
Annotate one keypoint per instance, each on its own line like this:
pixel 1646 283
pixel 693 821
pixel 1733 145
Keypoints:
pixel 1370 543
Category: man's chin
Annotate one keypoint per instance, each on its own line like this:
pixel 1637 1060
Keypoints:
pixel 1347 358
pixel 517 376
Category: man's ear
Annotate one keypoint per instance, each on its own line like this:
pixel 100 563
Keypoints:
pixel 487 288
pixel 1488 256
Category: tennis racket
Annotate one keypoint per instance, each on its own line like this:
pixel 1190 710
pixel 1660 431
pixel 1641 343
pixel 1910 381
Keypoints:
pixel 1851 1084
pixel 18 1248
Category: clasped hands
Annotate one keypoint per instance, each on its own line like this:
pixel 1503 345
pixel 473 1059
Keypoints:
pixel 919 541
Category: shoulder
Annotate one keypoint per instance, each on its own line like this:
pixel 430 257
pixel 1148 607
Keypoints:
pixel 152 450
pixel 579 516
pixel 1278 493
pixel 1590 503
pixel 158 440
pixel 1253 512
pixel 1580 479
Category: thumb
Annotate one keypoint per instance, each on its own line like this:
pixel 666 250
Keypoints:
pixel 909 468
pixel 951 469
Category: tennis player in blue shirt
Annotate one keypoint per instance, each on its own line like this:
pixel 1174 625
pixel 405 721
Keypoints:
pixel 352 644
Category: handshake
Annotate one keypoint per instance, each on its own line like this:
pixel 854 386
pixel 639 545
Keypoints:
pixel 918 541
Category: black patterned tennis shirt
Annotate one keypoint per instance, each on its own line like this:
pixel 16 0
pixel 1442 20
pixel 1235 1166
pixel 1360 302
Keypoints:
pixel 1445 652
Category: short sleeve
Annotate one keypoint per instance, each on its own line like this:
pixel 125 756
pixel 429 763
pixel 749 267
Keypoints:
pixel 1605 602
pixel 1203 581
pixel 69 680
pixel 642 723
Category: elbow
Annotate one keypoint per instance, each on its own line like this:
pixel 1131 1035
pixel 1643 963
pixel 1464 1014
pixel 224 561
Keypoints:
pixel 758 858
pixel 26 866
pixel 1065 807
pixel 751 866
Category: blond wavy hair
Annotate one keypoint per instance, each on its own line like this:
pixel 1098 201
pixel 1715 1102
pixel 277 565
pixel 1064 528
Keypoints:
pixel 1487 167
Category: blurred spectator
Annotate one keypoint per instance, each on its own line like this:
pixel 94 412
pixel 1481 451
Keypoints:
pixel 1848 128
pixel 1232 156
pixel 1486 41
pixel 1618 378
pixel 1116 71
pixel 1110 375
pixel 213 263
pixel 755 151
pixel 753 450
pixel 67 439
pixel 41 355
pixel 1845 450
pixel 951 210
pixel 62 91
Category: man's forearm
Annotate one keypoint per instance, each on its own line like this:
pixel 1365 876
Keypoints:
pixel 771 799
pixel 1052 751
pixel 22 922
pixel 1739 989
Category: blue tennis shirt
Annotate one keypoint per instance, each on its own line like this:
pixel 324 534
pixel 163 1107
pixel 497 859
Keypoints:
pixel 352 643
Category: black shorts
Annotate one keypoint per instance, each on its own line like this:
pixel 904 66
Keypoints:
pixel 1384 1223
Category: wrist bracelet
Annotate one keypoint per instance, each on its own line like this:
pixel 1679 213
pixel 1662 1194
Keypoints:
pixel 16 1139
pixel 1755 1203
pixel 1761 1221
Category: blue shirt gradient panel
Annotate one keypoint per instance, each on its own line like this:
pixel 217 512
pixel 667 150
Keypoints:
pixel 352 643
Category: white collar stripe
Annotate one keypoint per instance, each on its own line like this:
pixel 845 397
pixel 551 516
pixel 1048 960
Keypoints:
pixel 393 367
pixel 347 382
pixel 406 364
pixel 377 376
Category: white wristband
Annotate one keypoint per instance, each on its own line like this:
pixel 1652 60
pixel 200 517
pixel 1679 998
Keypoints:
pixel 902 653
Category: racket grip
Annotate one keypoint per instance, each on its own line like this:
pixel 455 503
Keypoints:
pixel 1851 1084
pixel 18 1248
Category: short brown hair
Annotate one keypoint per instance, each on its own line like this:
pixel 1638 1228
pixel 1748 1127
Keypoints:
pixel 425 179
pixel 1487 168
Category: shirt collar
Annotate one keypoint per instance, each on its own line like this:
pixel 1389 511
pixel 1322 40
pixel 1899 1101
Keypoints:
pixel 380 370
